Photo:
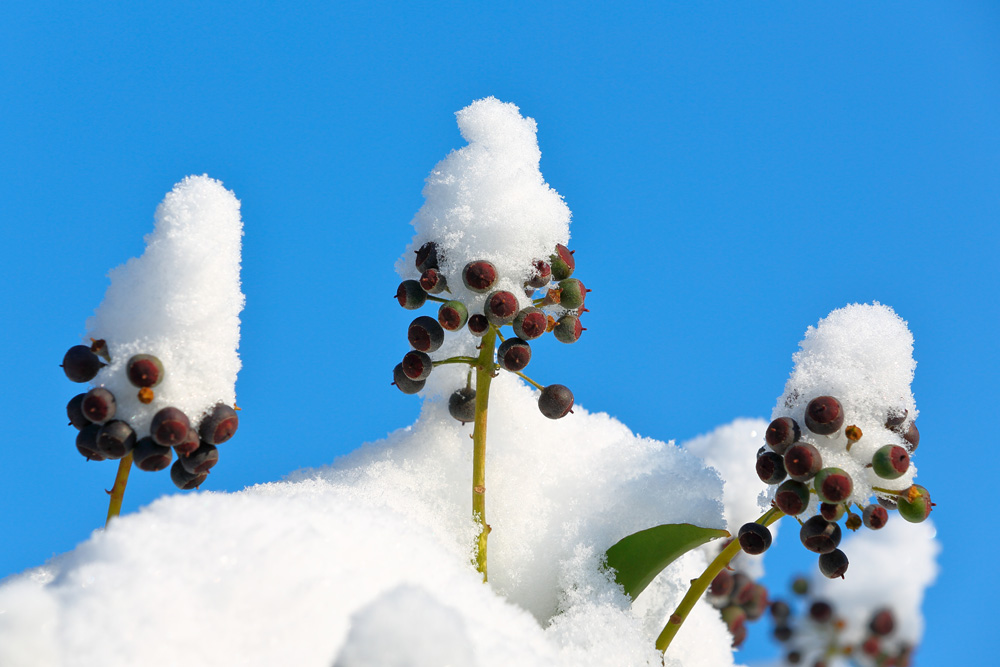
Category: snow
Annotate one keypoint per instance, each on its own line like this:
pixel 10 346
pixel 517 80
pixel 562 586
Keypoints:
pixel 179 301
pixel 862 355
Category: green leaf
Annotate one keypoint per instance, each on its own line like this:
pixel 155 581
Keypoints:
pixel 638 558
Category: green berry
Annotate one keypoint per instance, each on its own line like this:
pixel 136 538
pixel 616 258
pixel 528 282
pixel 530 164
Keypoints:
pixel 891 462
pixel 568 329
pixel 914 504
pixel 562 262
pixel 572 293
pixel 833 485
pixel 452 315
pixel 792 497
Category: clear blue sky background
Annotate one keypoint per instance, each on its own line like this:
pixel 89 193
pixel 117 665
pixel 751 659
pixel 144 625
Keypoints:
pixel 735 173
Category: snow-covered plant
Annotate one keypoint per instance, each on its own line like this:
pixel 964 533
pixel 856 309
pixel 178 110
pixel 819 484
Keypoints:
pixel 162 358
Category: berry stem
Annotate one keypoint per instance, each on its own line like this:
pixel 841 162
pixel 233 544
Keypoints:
pixel 456 360
pixel 528 380
pixel 701 584
pixel 431 297
pixel 484 375
pixel 898 492
pixel 118 490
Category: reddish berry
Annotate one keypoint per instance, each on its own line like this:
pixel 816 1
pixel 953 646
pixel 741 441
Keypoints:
pixel 479 276
pixel 219 425
pixel 792 497
pixel 541 274
pixel 820 611
pixel 150 456
pixel 883 622
pixel 770 468
pixel 115 439
pixel 500 308
pixel 427 257
pixel 99 405
pixel 190 443
pixel 411 295
pixel 478 325
pixel 782 433
pixel 144 370
pixel 530 323
pixel 875 516
pixel 895 417
pixel 453 315
pixel 169 427
pixel 912 437
pixel 433 281
pixel 832 511
pixel 722 585
pixel 833 485
pixel 780 610
pixel 568 329
pixel 185 480
pixel 802 461
pixel 425 334
pixel 891 462
pixel 562 262
pixel 417 365
pixel 824 415
pixel 513 354
pixel 200 460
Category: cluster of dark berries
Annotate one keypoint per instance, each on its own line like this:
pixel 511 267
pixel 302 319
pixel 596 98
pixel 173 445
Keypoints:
pixel 816 635
pixel 500 308
pixel 739 600
pixel 792 460
pixel 101 436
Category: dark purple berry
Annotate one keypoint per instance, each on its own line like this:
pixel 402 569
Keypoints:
pixel 411 295
pixel 833 564
pixel 169 427
pixel 500 308
pixel 479 276
pixel 462 404
pixel 833 485
pixel 824 415
pixel 530 323
pixel 219 425
pixel 417 365
pixel 782 633
pixel 183 479
pixel 883 622
pixel 875 516
pixel 782 433
pixel 452 315
pixel 150 456
pixel 568 329
pixel 770 468
pixel 572 293
pixel 190 443
pixel 74 410
pixel 895 417
pixel 792 497
pixel 820 611
pixel 819 535
pixel 754 538
pixel 912 437
pixel 555 401
pixel 405 384
pixel 80 364
pixel 86 442
pixel 914 504
pixel 425 334
pixel 478 325
pixel 541 274
pixel 115 439
pixel 722 586
pixel 433 281
pixel 832 511
pixel 200 460
pixel 802 461
pixel 780 610
pixel 562 262
pixel 99 405
pixel 891 462
pixel 144 370
pixel 513 354
pixel 427 256
pixel 793 657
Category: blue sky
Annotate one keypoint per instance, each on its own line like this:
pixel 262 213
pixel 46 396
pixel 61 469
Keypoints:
pixel 735 172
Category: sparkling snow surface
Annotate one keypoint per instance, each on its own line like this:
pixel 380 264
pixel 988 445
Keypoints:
pixel 179 301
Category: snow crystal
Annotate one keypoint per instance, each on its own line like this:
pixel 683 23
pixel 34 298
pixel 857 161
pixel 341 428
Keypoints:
pixel 863 356
pixel 489 201
pixel 179 301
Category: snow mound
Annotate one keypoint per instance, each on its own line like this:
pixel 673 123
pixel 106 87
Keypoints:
pixel 179 301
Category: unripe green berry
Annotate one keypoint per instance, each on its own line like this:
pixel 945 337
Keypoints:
pixel 914 504
pixel 562 262
pixel 452 315
pixel 572 293
pixel 792 497
pixel 891 462
pixel 833 485
pixel 568 329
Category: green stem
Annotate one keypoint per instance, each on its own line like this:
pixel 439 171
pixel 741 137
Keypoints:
pixel 893 492
pixel 528 379
pixel 701 584
pixel 431 297
pixel 117 492
pixel 484 375
pixel 456 360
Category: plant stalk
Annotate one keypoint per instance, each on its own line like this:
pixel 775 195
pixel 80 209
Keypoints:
pixel 701 584
pixel 117 492
pixel 484 375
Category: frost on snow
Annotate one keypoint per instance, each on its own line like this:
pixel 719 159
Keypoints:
pixel 179 301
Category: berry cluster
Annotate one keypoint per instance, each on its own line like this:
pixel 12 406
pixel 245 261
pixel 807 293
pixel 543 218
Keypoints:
pixel 813 486
pixel 101 436
pixel 739 599
pixel 817 636
pixel 557 311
